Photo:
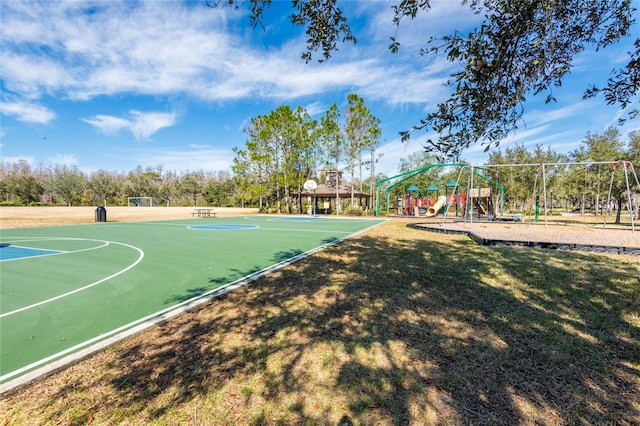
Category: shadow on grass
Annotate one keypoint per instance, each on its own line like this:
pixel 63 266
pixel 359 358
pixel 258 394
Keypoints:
pixel 401 330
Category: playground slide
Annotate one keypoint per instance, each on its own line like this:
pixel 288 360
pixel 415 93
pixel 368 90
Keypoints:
pixel 433 210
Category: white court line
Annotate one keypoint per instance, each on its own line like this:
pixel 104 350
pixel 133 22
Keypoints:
pixel 319 231
pixel 309 219
pixel 57 252
pixel 77 290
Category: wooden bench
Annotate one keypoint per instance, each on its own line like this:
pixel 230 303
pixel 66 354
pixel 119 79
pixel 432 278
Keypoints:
pixel 203 213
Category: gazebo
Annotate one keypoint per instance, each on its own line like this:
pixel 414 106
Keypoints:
pixel 326 194
pixel 325 197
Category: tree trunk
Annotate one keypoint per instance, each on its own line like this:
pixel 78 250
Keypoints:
pixel 287 207
pixel 353 176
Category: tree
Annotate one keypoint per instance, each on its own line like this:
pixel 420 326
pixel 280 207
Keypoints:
pixel 599 179
pixel 525 176
pixel 518 180
pixel 280 154
pixel 325 24
pixel 168 190
pixel 68 183
pixel 361 132
pixel 307 153
pixel 280 132
pixel 19 184
pixel 192 184
pixel 599 148
pixel 101 185
pixel 255 161
pixel 415 161
pixel 242 168
pixel 521 48
pixel 332 140
pixel 144 183
pixel 218 191
pixel 634 148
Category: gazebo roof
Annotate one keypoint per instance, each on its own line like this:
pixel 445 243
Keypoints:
pixel 413 188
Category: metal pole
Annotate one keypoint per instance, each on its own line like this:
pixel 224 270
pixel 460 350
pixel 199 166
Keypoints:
pixel 604 222
pixel 544 195
pixel 637 186
pixel 470 205
pixel 630 207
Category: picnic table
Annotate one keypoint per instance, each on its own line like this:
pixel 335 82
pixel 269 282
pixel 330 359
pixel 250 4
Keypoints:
pixel 203 212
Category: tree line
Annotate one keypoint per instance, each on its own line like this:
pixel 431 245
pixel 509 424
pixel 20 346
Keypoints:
pixel 20 184
pixel 286 147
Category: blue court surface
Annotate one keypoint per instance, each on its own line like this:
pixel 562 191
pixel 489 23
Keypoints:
pixel 9 252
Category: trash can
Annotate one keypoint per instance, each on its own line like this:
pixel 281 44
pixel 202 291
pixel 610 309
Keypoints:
pixel 101 214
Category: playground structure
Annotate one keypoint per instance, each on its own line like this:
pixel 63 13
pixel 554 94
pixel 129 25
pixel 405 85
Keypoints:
pixel 467 201
pixel 478 201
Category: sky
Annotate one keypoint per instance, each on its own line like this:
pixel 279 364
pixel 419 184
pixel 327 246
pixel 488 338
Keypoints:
pixel 116 85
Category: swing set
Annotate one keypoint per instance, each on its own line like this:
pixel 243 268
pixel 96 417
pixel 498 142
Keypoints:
pixel 629 177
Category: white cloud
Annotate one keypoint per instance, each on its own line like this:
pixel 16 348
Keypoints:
pixel 142 125
pixel 181 51
pixel 12 159
pixel 107 124
pixel 316 108
pixel 392 152
pixel 168 48
pixel 27 112
pixel 146 47
pixel 536 117
pixel 443 17
pixel 190 158
pixel 64 160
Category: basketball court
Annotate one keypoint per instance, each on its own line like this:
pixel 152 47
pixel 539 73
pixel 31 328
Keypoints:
pixel 70 290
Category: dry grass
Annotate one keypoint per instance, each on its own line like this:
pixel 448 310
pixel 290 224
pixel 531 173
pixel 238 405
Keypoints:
pixel 393 327
pixel 23 217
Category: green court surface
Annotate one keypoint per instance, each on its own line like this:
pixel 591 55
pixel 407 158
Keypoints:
pixel 68 288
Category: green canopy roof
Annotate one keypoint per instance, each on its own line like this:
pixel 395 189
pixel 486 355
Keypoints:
pixel 452 183
pixel 433 187
pixel 413 188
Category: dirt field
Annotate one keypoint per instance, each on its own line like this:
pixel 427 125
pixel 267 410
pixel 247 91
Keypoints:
pixel 25 217
pixel 591 234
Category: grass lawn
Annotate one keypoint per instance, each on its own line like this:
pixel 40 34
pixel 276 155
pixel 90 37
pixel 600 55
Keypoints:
pixel 393 327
